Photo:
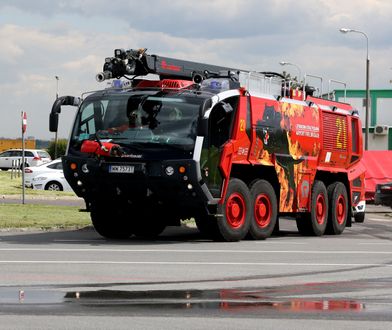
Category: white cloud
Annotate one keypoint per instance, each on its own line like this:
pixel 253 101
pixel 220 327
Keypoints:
pixel 71 39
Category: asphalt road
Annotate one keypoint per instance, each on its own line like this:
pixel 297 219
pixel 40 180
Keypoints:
pixel 76 279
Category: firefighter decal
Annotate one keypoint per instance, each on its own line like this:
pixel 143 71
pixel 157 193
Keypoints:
pixel 277 130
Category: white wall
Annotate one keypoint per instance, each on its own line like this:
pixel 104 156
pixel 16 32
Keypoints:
pixel 384 111
pixel 376 142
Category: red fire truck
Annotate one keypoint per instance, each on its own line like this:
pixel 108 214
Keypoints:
pixel 233 149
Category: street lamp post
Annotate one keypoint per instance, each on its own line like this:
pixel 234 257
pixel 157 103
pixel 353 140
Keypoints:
pixel 295 65
pixel 346 30
pixel 55 136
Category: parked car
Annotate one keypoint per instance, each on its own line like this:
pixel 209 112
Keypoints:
pixel 383 195
pixel 33 157
pixel 51 181
pixel 33 171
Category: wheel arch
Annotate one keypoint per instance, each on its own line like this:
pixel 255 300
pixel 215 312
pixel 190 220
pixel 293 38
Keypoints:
pixel 248 174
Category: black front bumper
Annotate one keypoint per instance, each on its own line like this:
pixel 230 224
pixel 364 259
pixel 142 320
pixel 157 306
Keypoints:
pixel 151 183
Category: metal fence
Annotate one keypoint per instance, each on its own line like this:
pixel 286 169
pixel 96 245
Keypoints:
pixel 16 168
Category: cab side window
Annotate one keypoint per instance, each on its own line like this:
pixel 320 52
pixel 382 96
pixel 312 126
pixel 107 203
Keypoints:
pixel 221 121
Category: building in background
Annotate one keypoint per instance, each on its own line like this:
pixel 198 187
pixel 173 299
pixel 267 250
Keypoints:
pixel 380 118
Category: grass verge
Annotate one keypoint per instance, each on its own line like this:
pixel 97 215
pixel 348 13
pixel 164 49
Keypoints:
pixel 42 216
pixel 13 186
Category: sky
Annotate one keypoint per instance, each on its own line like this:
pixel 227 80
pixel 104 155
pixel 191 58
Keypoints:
pixel 42 39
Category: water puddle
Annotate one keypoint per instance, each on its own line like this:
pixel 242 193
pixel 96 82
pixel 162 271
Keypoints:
pixel 225 300
pixel 211 299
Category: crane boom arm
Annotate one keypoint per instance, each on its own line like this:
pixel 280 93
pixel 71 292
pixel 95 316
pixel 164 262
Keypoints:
pixel 138 63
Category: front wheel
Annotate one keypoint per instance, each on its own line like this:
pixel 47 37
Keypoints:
pixel 265 210
pixel 207 225
pixel 109 221
pixel 234 223
pixel 150 223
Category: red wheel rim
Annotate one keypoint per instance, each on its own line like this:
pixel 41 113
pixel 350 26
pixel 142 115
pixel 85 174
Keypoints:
pixel 262 210
pixel 235 210
pixel 320 209
pixel 341 209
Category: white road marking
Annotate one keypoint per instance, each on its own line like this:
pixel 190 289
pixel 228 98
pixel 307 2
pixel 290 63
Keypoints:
pixel 187 263
pixel 281 242
pixel 376 243
pixel 77 240
pixel 193 251
pixel 380 220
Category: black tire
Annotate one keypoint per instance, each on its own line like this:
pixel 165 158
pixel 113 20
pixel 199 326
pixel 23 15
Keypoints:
pixel 110 222
pixel 234 223
pixel 359 217
pixel 265 210
pixel 4 169
pixel 207 225
pixel 303 224
pixel 150 224
pixel 54 186
pixel 338 208
pixel 315 222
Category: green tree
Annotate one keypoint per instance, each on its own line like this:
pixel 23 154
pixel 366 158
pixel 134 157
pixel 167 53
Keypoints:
pixel 61 148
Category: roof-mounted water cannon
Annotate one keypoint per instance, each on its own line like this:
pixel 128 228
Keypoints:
pixel 124 62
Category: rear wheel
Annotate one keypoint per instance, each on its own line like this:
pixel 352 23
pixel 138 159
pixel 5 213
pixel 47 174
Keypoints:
pixel 315 222
pixel 338 210
pixel 264 210
pixel 54 186
pixel 110 222
pixel 234 223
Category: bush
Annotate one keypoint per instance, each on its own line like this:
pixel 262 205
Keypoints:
pixel 61 148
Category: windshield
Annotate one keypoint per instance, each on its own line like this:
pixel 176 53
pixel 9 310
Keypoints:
pixel 140 118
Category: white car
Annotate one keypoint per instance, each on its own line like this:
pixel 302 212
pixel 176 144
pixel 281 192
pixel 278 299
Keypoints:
pixel 51 167
pixel 33 157
pixel 51 181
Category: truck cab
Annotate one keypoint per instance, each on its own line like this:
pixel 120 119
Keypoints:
pixel 148 150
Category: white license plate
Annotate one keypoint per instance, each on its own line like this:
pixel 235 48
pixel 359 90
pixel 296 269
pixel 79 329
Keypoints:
pixel 121 169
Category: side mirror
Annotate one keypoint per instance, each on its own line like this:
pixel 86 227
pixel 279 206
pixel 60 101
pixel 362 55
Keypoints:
pixel 56 109
pixel 53 121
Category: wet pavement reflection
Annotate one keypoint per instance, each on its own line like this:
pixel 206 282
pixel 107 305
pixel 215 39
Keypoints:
pixel 236 300
pixel 229 300
pixel 331 299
